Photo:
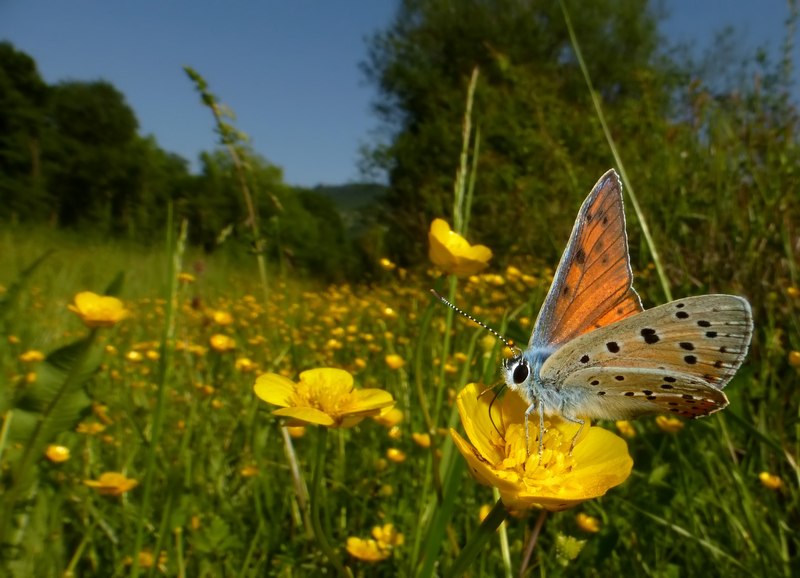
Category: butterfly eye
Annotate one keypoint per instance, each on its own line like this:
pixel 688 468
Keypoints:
pixel 521 372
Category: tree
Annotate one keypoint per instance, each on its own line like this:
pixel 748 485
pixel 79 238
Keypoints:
pixel 541 147
pixel 91 154
pixel 23 98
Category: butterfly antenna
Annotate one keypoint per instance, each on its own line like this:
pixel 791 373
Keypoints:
pixel 491 404
pixel 508 343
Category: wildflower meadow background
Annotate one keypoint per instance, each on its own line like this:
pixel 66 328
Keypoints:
pixel 218 374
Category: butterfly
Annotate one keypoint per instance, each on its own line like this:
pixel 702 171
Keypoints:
pixel 596 353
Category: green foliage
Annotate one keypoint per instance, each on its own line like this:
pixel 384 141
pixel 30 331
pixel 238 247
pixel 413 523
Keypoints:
pixel 531 106
pixel 23 101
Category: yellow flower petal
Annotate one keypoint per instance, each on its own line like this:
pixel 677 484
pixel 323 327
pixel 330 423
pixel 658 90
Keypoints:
pixel 305 415
pixel 275 389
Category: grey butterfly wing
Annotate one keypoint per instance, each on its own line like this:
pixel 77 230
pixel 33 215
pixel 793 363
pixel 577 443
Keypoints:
pixel 674 358
pixel 592 286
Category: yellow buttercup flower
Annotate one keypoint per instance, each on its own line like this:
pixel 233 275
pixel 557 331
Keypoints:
pixel 98 310
pixel 453 254
pixel 625 428
pixel 394 361
pixel 389 416
pixel 770 481
pixel 186 278
pixel 669 424
pixel 587 523
pixel 794 358
pixel 386 264
pixel 112 484
pixel 57 454
pixel 221 317
pixel 31 356
pixel 323 396
pixel 387 536
pixel 423 440
pixel 366 550
pixel 558 480
pixel 395 455
pixel 222 343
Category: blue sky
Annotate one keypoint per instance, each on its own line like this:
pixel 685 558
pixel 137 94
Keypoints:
pixel 289 69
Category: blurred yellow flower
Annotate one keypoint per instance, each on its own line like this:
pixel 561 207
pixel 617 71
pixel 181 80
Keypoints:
pixel 395 455
pixel 389 416
pixel 770 481
pixel 112 484
pixel 186 278
pixel 323 396
pixel 386 264
pixel 453 254
pixel 387 536
pixel 222 343
pixel 625 428
pixel 98 310
pixel 222 318
pixel 395 433
pixel 793 292
pixel 31 356
pixel 366 550
pixel 91 427
pixel 669 424
pixel 498 457
pixel 423 440
pixel 134 356
pixel 394 361
pixel 57 454
pixel 147 560
pixel 587 523
pixel 249 471
pixel 484 511
pixel 794 358
pixel 297 431
pixel 245 365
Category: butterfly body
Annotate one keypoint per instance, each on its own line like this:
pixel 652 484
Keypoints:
pixel 596 353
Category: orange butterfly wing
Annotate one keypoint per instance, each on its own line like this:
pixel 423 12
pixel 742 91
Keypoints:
pixel 592 286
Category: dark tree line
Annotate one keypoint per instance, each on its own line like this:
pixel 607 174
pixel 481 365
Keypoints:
pixel 71 156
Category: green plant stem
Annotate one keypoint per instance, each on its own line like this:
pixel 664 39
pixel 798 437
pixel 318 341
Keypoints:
pixel 461 176
pixel 617 158
pixel 4 432
pixel 316 501
pixel 164 374
pixel 537 530
pixel 478 541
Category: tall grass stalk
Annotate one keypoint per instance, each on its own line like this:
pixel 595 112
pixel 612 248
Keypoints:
pixel 598 107
pixel 175 250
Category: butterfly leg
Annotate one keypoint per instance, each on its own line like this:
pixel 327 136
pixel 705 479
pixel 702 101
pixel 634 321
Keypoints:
pixel 577 420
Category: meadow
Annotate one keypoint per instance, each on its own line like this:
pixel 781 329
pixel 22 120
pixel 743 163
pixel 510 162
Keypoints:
pixel 708 497
pixel 137 439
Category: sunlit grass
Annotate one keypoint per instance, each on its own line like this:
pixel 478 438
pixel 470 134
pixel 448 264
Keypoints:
pixel 721 489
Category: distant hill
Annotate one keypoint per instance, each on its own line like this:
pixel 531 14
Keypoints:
pixel 350 198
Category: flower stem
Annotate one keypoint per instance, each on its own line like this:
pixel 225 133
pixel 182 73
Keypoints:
pixel 537 529
pixel 477 542
pixel 316 499
pixel 617 158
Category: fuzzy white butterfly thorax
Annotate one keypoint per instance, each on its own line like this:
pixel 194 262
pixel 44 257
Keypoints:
pixel 594 351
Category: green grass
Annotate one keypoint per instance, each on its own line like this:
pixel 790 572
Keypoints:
pixel 693 505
